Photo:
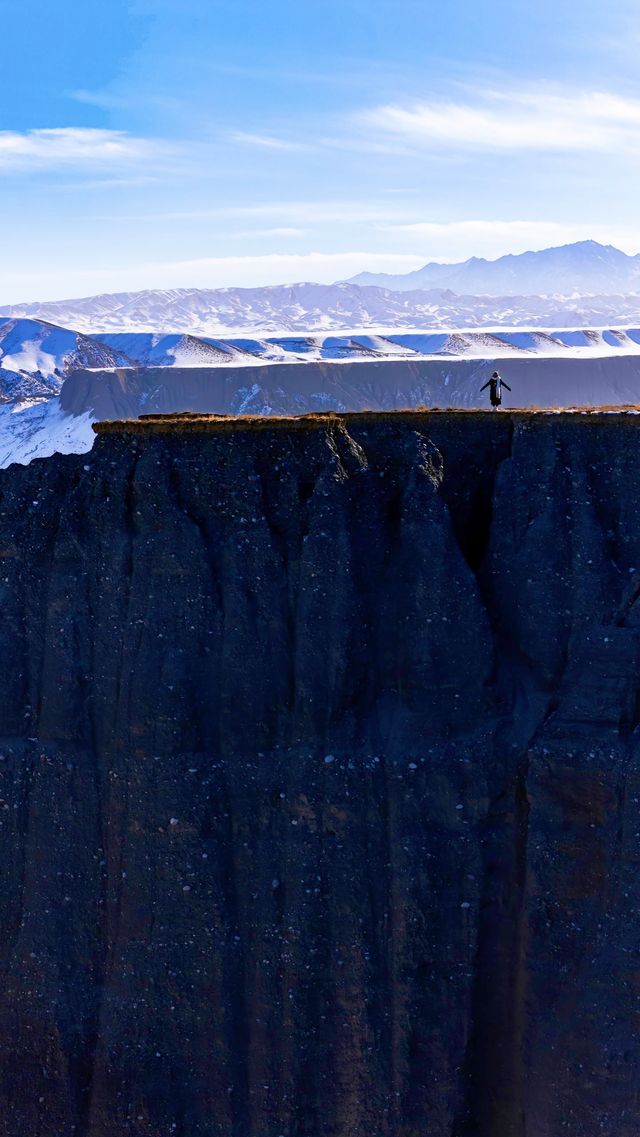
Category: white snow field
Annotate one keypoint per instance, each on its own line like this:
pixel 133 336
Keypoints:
pixel 38 428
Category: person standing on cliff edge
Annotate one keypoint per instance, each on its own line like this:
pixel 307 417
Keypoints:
pixel 495 383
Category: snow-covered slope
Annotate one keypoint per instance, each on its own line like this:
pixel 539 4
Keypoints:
pixel 142 371
pixel 308 308
pixel 36 355
pixel 149 350
pixel 35 358
pixel 37 428
pixel 585 268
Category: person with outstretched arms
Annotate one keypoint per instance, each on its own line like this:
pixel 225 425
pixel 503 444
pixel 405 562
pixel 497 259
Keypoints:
pixel 495 385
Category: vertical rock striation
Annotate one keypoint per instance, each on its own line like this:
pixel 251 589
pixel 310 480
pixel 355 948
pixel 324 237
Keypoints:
pixel 319 780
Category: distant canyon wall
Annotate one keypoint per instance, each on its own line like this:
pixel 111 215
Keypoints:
pixel 379 385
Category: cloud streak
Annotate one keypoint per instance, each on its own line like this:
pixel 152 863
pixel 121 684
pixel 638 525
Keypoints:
pixel 265 269
pixel 75 148
pixel 265 141
pixel 457 240
pixel 280 231
pixel 50 282
pixel 291 213
pixel 515 120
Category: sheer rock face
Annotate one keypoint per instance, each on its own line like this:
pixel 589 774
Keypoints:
pixel 320 782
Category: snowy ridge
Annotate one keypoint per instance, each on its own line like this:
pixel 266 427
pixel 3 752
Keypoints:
pixel 585 268
pixel 191 351
pixel 321 308
pixel 35 356
pixel 38 428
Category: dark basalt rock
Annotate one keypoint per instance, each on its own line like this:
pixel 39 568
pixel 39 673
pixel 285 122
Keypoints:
pixel 320 781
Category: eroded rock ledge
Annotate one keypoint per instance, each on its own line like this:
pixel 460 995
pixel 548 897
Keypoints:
pixel 320 780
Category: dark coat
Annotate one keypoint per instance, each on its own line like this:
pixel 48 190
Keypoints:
pixel 495 385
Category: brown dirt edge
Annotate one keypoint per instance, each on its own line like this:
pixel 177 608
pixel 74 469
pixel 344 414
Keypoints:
pixel 190 422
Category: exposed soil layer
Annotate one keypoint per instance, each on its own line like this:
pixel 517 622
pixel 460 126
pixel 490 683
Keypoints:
pixel 418 417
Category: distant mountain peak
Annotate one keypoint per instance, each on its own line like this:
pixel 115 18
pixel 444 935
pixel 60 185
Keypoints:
pixel 585 268
pixel 580 283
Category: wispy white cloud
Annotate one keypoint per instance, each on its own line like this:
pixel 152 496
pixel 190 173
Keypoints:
pixel 281 231
pixel 351 142
pixel 516 120
pixel 457 240
pixel 81 184
pixel 105 100
pixel 50 282
pixel 298 213
pixel 534 234
pixel 279 267
pixel 265 141
pixel 73 148
pixel 112 100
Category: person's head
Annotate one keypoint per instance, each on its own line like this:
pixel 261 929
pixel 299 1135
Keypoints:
pixel 495 375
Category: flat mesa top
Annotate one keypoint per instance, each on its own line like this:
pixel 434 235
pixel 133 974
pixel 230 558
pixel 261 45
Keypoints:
pixel 192 422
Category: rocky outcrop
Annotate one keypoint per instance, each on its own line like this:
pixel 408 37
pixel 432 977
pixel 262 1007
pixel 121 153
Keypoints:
pixel 320 780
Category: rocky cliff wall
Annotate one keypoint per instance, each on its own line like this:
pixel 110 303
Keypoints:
pixel 320 781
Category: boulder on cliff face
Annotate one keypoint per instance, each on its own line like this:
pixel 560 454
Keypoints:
pixel 320 780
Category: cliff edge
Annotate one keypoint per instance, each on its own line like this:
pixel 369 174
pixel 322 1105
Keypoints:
pixel 320 780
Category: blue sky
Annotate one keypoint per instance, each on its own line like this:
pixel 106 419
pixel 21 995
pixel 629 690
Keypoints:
pixel 167 143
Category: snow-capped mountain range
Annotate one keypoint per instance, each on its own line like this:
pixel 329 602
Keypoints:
pixel 585 268
pixel 308 308
pixel 578 285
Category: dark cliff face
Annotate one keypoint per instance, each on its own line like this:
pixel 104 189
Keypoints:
pixel 320 781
